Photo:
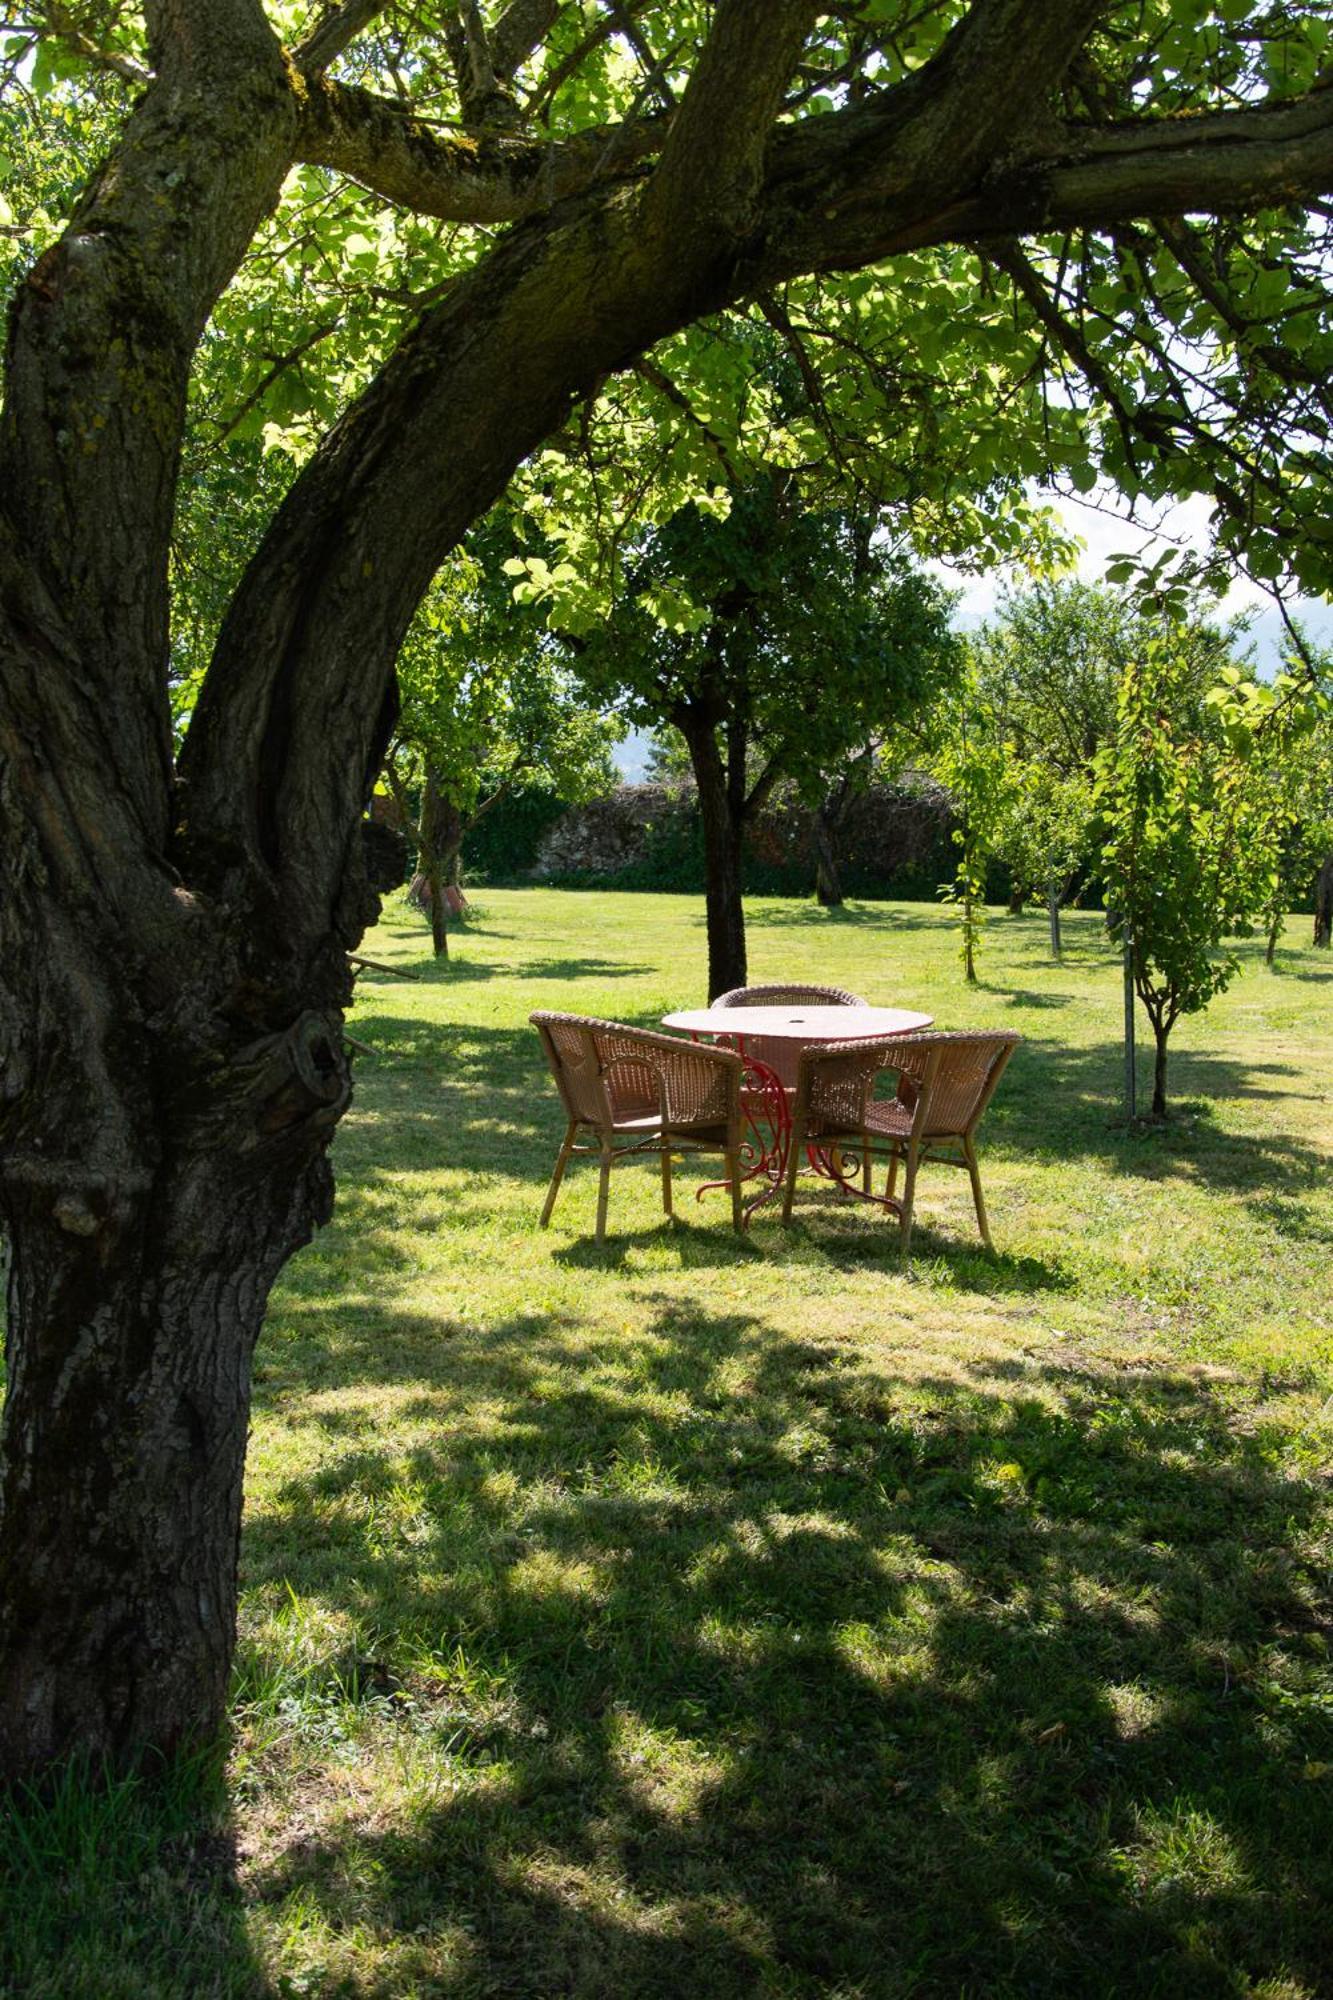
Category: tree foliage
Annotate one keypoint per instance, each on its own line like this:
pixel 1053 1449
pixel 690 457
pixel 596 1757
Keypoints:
pixel 777 641
pixel 1191 844
pixel 1049 669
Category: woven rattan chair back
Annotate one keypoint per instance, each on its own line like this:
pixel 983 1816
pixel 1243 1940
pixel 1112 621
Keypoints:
pixel 945 1082
pixel 657 1091
pixel 788 996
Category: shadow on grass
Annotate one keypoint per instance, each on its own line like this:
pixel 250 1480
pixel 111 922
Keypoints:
pixel 786 1675
pixel 888 917
pixel 466 971
pixel 119 1888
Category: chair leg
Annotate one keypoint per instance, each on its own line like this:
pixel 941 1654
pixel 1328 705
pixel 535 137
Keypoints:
pixel 734 1175
pixel 865 1164
pixel 892 1182
pixel 666 1177
pixel 561 1162
pixel 909 1197
pixel 970 1155
pixel 796 1148
pixel 603 1190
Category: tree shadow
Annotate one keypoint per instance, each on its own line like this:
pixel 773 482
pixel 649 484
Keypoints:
pixel 1059 1102
pixel 1019 996
pixel 848 916
pixel 819 1679
pixel 1297 973
pixel 121 1886
pixel 468 971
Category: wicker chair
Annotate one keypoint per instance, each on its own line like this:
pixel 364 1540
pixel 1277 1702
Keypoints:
pixel 945 1082
pixel 779 1054
pixel 659 1093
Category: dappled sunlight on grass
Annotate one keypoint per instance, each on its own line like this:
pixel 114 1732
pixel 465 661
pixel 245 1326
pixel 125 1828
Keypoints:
pixel 734 1616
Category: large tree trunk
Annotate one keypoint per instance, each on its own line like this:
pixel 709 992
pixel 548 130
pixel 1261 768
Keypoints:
pixel 1323 905
pixel 133 1312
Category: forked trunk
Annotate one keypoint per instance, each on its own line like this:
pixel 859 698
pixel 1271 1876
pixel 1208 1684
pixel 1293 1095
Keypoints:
pixel 441 848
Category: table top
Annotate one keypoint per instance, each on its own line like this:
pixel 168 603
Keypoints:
pixel 799 1024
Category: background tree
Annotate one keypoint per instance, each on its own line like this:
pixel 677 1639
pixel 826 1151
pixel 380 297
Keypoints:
pixel 1049 669
pixel 1190 842
pixel 409 253
pixel 775 641
pixel 487 705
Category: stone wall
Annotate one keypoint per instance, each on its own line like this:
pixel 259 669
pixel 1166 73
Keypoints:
pixel 895 839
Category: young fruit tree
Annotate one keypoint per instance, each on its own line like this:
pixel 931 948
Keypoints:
pixel 1190 840
pixel 1049 667
pixel 419 247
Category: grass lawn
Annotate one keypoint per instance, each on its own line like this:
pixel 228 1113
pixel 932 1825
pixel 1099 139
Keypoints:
pixel 709 1617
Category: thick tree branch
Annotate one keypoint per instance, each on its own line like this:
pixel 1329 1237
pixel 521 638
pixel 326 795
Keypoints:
pixel 101 338
pixel 490 180
pixel 819 216
pixel 712 167
pixel 990 82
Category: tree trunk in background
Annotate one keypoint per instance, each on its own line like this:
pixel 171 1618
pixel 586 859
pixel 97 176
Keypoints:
pixel 441 847
pixel 1053 912
pixel 1160 1034
pixel 724 907
pixel 828 887
pixel 1323 905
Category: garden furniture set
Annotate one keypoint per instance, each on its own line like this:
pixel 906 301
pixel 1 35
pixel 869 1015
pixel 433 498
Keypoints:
pixel 813 1079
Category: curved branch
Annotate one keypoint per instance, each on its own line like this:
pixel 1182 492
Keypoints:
pixel 493 179
pixel 101 337
pixel 832 204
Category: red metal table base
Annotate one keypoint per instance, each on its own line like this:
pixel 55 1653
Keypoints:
pixel 766 1147
pixel 767 1139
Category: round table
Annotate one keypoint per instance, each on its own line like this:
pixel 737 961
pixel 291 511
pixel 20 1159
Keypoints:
pixel 765 1096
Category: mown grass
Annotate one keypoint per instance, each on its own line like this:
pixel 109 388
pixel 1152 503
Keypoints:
pixel 724 1617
